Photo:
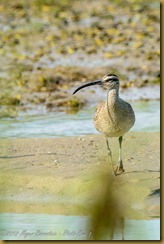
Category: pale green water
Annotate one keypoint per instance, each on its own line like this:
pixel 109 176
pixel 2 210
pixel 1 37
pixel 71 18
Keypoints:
pixel 59 227
pixel 60 124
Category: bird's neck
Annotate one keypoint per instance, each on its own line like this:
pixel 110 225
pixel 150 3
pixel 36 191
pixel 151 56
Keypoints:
pixel 112 96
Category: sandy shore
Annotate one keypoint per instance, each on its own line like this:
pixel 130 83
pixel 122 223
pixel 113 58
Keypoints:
pixel 66 175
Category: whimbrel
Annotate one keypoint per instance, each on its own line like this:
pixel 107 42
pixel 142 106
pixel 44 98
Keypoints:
pixel 113 118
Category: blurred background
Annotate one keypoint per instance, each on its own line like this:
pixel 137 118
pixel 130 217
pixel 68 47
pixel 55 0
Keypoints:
pixel 49 47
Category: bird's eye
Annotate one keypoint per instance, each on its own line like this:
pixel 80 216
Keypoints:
pixel 110 80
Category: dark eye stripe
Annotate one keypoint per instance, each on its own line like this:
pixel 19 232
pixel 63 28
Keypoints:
pixel 115 79
pixel 112 79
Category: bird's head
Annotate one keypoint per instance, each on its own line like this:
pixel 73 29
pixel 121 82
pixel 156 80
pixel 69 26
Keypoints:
pixel 110 81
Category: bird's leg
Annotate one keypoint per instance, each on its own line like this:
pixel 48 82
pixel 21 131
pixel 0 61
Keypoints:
pixel 110 155
pixel 120 167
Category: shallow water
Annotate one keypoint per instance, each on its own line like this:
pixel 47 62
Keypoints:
pixel 60 124
pixel 60 227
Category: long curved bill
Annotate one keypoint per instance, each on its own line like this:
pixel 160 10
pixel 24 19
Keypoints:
pixel 97 82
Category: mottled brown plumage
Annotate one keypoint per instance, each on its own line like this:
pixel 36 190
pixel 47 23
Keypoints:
pixel 113 118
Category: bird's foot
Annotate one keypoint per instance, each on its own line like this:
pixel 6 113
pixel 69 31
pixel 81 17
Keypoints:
pixel 119 170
